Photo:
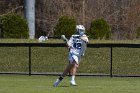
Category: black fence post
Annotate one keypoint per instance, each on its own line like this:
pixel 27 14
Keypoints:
pixel 29 60
pixel 1 30
pixel 69 71
pixel 111 62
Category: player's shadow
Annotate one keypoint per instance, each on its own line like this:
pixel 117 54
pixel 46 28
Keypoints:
pixel 63 86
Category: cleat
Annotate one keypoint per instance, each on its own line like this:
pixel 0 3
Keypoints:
pixel 73 83
pixel 56 83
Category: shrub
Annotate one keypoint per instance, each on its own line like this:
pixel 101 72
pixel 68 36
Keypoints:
pixel 65 26
pixel 138 32
pixel 99 29
pixel 14 26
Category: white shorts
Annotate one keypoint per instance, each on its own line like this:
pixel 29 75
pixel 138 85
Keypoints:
pixel 74 58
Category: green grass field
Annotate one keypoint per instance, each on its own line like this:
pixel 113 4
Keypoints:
pixel 43 84
pixel 126 61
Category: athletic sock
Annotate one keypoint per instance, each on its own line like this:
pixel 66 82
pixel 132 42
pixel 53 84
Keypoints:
pixel 61 78
pixel 72 78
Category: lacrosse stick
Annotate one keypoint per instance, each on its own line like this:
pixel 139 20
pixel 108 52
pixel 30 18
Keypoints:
pixel 64 38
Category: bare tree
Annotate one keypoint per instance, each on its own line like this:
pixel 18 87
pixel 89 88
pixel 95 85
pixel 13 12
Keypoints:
pixel 122 15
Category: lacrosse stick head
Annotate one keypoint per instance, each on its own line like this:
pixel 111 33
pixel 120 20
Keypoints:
pixel 41 39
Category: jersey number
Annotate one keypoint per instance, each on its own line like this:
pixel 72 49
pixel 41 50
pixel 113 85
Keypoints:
pixel 77 45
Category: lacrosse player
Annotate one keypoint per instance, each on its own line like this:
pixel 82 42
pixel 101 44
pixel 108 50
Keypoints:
pixel 77 46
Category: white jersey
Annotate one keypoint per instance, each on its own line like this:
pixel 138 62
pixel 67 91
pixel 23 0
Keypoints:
pixel 77 45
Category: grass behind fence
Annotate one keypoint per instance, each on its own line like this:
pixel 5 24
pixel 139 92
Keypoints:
pixel 126 61
pixel 61 41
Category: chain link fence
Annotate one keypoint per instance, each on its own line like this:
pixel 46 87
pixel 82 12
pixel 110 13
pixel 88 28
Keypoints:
pixel 51 59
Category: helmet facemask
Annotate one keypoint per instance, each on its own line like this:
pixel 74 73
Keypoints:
pixel 80 31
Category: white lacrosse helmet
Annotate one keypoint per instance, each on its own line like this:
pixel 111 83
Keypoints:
pixel 80 29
